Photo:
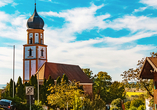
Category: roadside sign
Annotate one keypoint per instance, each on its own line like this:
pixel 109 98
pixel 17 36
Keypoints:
pixel 29 90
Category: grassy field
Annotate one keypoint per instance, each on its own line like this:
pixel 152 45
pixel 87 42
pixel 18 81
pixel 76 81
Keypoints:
pixel 134 93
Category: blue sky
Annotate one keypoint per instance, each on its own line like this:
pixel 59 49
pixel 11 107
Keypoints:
pixel 103 35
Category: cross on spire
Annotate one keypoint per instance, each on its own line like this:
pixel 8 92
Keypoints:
pixel 35 2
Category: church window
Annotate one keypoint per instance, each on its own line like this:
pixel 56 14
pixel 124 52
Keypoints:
pixel 30 41
pixel 41 37
pixel 36 38
pixel 42 51
pixel 30 52
pixel 30 38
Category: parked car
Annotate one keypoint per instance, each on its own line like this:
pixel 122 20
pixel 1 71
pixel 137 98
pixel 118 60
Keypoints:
pixel 6 104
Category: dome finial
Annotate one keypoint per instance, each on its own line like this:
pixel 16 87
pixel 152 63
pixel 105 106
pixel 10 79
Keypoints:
pixel 35 21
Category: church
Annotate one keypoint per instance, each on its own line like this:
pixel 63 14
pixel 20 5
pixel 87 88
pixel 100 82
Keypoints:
pixel 35 58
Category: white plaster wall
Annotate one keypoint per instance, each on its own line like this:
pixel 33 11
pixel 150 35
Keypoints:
pixel 33 52
pixel 41 62
pixel 26 70
pixel 36 38
pixel 44 53
pixel 33 67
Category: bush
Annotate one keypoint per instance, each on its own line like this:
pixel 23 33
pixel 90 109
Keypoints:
pixel 117 103
pixel 127 105
pixel 115 108
pixel 133 108
pixel 141 107
pixel 137 102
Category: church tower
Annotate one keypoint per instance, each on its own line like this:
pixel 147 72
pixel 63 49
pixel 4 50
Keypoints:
pixel 35 51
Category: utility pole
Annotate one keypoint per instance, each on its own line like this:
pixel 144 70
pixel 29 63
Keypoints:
pixel 13 67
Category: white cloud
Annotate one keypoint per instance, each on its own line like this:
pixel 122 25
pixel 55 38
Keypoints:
pixel 134 23
pixel 128 39
pixel 152 3
pixel 16 28
pixel 5 2
pixel 63 48
pixel 140 9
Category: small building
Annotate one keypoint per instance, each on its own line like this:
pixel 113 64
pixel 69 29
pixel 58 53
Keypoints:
pixel 149 71
pixel 73 72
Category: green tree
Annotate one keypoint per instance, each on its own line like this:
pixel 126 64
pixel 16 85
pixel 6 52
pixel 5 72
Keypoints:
pixel 133 75
pixel 141 107
pixel 137 102
pixel 65 78
pixel 20 91
pixel 102 82
pixel 133 108
pixel 33 82
pixel 88 72
pixel 63 93
pixel 116 90
pixel 59 80
pixel 11 88
pixel 116 103
pixel 127 105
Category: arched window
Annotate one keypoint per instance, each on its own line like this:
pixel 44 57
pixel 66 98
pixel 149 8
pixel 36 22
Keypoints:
pixel 42 51
pixel 30 38
pixel 41 37
pixel 30 52
pixel 30 41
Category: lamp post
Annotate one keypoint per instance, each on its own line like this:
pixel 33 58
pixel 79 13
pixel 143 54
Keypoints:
pixel 38 86
pixel 13 65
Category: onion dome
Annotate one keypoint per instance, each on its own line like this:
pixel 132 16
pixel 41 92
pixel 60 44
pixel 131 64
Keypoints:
pixel 35 21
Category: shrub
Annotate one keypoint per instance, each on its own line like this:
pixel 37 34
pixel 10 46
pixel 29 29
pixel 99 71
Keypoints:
pixel 127 105
pixel 141 107
pixel 133 108
pixel 137 102
pixel 117 103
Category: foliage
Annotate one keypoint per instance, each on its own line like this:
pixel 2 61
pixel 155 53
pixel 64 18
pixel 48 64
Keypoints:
pixel 88 72
pixel 58 80
pixel 102 81
pixel 20 91
pixel 95 104
pixel 127 105
pixel 133 108
pixel 137 102
pixel 117 103
pixel 151 103
pixel 133 75
pixel 65 78
pixel 117 90
pixel 63 93
pixel 141 107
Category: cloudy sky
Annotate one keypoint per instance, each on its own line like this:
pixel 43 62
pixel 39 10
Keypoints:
pixel 103 35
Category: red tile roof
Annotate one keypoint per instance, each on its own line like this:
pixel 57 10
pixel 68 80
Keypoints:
pixel 73 72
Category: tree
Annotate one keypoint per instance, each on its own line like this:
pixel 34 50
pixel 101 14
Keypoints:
pixel 88 72
pixel 133 75
pixel 58 80
pixel 20 91
pixel 116 90
pixel 116 104
pixel 102 82
pixel 11 88
pixel 137 102
pixel 65 78
pixel 63 93
pixel 127 105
